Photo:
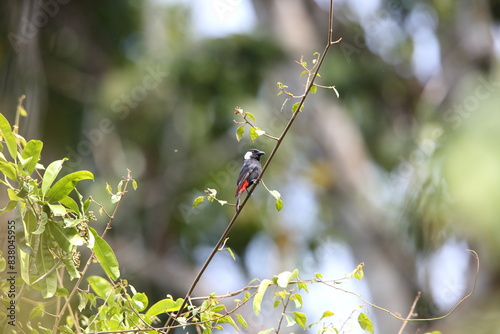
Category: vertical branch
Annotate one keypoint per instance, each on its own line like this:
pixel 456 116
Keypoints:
pixel 410 314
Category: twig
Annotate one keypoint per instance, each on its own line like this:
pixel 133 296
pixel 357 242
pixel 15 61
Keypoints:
pixel 285 305
pixel 91 257
pixel 410 314
pixel 394 315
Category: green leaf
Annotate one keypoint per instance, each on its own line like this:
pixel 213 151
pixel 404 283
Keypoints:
pixel 275 194
pixel 227 319
pixel 283 294
pixel 359 274
pixel 163 306
pixel 9 137
pixel 32 150
pixel 303 286
pixel 9 207
pixel 198 200
pixel 105 256
pixel 101 286
pixel 279 204
pixel 9 170
pixel 301 319
pixel 66 238
pixel 260 132
pixel 86 205
pixel 365 323
pixel 267 331
pixel 44 263
pixel 140 300
pixel 69 203
pixel 326 314
pixel 211 192
pixel 314 89
pixel 284 279
pixel 50 174
pixel 241 321
pixel 134 184
pixel 109 189
pixel 71 268
pixel 22 112
pixel 253 134
pixel 42 222
pixel 65 185
pixel 120 186
pixel 90 240
pixel 295 106
pixel 26 253
pixel 115 198
pixel 290 321
pixel 62 292
pixel 251 116
pixel 230 251
pixel 257 301
pixel 37 311
pixel 58 210
pixel 83 297
pixel 240 131
pixel 297 298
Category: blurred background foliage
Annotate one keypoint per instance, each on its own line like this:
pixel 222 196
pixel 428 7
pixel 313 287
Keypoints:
pixel 402 172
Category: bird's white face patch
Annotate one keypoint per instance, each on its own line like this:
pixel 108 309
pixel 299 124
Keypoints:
pixel 248 155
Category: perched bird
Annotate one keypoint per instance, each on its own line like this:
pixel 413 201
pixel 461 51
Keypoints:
pixel 249 172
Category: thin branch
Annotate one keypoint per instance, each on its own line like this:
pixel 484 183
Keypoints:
pixel 58 263
pixel 410 314
pixel 333 283
pixel 285 305
pixel 329 43
pixel 471 292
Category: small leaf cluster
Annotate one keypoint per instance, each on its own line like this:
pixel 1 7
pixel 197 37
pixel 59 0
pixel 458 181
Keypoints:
pixel 210 195
pixel 52 221
pixel 310 71
pixel 120 307
pixel 288 291
pixel 248 118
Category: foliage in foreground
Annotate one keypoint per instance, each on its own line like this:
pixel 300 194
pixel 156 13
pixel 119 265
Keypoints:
pixel 47 290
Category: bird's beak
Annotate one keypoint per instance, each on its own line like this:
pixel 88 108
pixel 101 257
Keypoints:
pixel 261 153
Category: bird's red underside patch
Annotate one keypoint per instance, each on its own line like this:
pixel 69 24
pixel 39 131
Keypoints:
pixel 243 187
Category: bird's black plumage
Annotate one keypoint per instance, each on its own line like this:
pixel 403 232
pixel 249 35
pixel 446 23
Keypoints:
pixel 249 172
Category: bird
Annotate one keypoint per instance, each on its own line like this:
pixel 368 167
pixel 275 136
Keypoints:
pixel 250 171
